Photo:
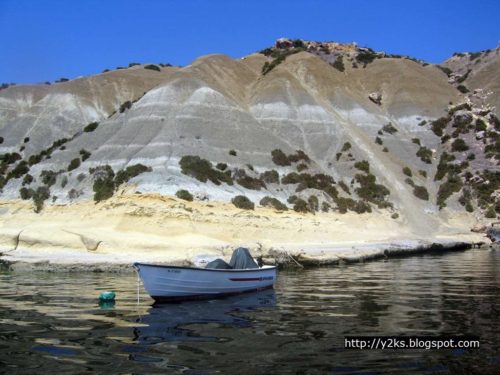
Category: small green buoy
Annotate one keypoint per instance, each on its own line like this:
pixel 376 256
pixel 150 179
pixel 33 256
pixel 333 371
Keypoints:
pixel 107 297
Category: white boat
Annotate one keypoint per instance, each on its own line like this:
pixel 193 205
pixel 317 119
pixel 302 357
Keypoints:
pixel 172 283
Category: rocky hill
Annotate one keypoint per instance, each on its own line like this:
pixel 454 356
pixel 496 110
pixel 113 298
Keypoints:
pixel 302 125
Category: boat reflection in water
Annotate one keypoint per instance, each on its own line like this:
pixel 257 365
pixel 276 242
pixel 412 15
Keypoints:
pixel 167 322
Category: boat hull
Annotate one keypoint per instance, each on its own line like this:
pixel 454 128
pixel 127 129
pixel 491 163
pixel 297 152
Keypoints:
pixel 169 283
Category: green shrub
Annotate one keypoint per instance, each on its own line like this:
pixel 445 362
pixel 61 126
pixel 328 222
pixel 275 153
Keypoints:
pixel 232 152
pixel 20 170
pixel 221 166
pixel 268 66
pixel 363 165
pixel 480 125
pixel 385 149
pixel 48 177
pixel 313 203
pixel 379 141
pixel 409 181
pixel 365 57
pixel 495 121
pixel 10 158
pixel 279 56
pixel 292 198
pixel 421 192
pixel 64 181
pixel 84 154
pixel 370 191
pixel 273 203
pixel 471 156
pixel 463 89
pixel 389 128
pixel 202 170
pixel 280 158
pixel 26 193
pixel 452 185
pixel 104 188
pixel 394 216
pixel 152 67
pixel 425 154
pixel 298 156
pixel 250 182
pixel 40 195
pixel 444 166
pixel 416 141
pixel 80 177
pixel 243 202
pixel 423 173
pixel 490 213
pixel 344 187
pixel 318 181
pixel 75 163
pixel 337 156
pixel 270 177
pixel 26 139
pixel 325 207
pixel 300 205
pixel 347 146
pixel 446 70
pixel 28 179
pixel 339 63
pixel 445 138
pixel 91 127
pixel 439 125
pixel 459 145
pixel 184 194
pixel 130 172
pixel 125 106
pixel 301 167
pixel 407 171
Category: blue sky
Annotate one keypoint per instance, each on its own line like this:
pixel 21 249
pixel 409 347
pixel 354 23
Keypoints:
pixel 46 40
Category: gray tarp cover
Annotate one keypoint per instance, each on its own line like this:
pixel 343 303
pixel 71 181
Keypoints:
pixel 240 260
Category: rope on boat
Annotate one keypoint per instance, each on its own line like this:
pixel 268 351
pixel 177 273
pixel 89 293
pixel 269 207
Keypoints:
pixel 138 285
pixel 292 258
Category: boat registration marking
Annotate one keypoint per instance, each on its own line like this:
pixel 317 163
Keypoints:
pixel 252 278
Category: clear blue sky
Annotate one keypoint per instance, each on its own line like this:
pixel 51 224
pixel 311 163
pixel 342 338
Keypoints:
pixel 45 40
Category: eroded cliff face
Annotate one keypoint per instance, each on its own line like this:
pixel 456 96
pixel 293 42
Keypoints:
pixel 363 121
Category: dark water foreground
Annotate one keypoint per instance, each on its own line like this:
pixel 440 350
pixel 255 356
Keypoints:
pixel 51 323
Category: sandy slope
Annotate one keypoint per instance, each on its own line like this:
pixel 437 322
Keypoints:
pixel 134 227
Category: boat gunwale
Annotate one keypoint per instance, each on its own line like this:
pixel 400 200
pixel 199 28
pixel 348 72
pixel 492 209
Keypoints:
pixel 269 268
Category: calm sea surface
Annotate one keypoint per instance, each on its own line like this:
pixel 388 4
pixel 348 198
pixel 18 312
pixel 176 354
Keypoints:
pixel 52 323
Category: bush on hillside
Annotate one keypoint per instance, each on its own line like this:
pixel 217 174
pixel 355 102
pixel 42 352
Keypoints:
pixel 300 205
pixel 202 170
pixel 270 177
pixel 363 165
pixel 273 203
pixel 40 195
pixel 280 158
pixel 152 67
pixel 243 202
pixel 130 172
pixel 75 163
pixel 421 192
pixel 184 195
pixel 91 127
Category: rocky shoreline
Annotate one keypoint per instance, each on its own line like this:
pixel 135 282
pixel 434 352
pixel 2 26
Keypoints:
pixel 111 236
pixel 306 257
